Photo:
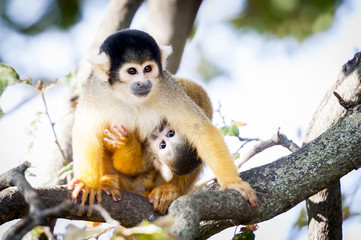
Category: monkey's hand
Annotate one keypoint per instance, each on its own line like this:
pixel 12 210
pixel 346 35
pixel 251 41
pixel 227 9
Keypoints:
pixel 162 196
pixel 242 187
pixel 116 137
pixel 109 183
pixel 77 186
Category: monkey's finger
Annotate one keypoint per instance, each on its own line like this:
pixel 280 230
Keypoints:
pixel 249 196
pixel 163 205
pixel 155 196
pixel 72 183
pixel 114 191
pixel 91 202
pixel 167 198
pixel 81 210
pixel 106 190
pixel 116 195
pixel 85 195
pixel 83 199
pixel 121 132
pixel 76 191
pixel 124 130
pixel 99 196
pixel 111 135
pixel 151 198
pixel 111 142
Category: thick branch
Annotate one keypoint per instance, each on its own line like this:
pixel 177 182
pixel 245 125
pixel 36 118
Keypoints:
pixel 279 186
pixel 324 210
pixel 129 211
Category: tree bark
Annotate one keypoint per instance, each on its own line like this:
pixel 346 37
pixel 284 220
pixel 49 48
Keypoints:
pixel 171 22
pixel 324 210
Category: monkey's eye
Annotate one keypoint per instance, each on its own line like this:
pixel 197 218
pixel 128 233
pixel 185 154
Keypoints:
pixel 162 145
pixel 170 133
pixel 148 69
pixel 132 71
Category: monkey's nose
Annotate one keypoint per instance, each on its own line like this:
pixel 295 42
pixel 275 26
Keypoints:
pixel 141 88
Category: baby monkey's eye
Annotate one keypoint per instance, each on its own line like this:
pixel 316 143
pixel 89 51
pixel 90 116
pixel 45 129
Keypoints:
pixel 162 145
pixel 132 71
pixel 170 133
pixel 148 69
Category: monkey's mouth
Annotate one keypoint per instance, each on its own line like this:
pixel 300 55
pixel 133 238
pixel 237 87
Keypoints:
pixel 141 92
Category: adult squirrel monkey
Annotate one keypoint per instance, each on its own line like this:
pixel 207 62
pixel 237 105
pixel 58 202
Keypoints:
pixel 128 85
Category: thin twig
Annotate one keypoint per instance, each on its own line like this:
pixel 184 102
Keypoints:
pixel 277 139
pixel 245 140
pixel 348 105
pixel 220 114
pixel 52 127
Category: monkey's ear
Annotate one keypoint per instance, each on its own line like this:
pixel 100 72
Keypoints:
pixel 100 62
pixel 165 52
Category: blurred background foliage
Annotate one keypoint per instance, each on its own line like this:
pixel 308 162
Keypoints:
pixel 271 18
pixel 297 18
pixel 62 14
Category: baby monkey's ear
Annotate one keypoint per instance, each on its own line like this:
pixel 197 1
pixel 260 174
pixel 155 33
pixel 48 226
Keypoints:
pixel 165 52
pixel 100 62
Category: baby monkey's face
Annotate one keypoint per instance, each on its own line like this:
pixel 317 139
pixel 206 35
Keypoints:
pixel 164 141
pixel 174 153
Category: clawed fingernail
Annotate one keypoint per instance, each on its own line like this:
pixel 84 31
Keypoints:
pixel 80 212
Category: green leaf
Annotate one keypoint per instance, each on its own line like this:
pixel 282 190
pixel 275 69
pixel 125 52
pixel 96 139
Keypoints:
pixel 8 76
pixel 236 155
pixel 301 220
pixel 234 131
pixel 230 130
pixel 225 130
pixel 245 234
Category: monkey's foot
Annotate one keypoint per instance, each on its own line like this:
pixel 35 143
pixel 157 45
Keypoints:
pixel 77 186
pixel 242 187
pixel 110 185
pixel 116 137
pixel 162 196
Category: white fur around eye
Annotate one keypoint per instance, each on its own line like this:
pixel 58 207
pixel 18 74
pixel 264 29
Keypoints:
pixel 124 75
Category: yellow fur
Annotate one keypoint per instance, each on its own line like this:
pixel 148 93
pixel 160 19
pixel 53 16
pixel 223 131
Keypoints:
pixel 128 159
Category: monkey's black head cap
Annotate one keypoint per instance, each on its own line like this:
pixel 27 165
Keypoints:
pixel 130 46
